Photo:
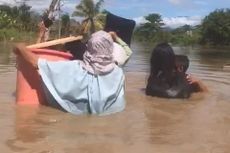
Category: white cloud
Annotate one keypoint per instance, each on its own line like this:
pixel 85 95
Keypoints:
pixel 200 2
pixel 185 4
pixel 175 2
pixel 41 5
pixel 175 22
pixel 38 5
pixel 140 20
pixel 9 2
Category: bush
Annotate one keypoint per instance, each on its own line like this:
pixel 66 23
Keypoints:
pixel 13 34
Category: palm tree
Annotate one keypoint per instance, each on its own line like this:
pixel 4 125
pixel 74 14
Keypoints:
pixel 91 12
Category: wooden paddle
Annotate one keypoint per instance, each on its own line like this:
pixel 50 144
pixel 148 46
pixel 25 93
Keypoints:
pixel 55 42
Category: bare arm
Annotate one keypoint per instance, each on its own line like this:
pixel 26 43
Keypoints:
pixel 42 31
pixel 128 51
pixel 198 82
pixel 21 50
pixel 118 40
pixel 121 58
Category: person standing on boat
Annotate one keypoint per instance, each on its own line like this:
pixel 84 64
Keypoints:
pixel 92 86
pixel 168 76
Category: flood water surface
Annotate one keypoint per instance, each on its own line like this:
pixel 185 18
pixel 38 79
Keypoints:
pixel 200 124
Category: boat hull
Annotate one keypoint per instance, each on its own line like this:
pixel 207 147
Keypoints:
pixel 29 88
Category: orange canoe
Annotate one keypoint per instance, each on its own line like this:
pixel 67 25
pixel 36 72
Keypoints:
pixel 29 88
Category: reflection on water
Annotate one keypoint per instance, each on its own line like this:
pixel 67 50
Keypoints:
pixel 149 124
pixel 6 57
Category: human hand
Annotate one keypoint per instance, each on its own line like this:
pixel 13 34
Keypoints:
pixel 42 27
pixel 18 48
pixel 113 35
pixel 191 79
pixel 194 80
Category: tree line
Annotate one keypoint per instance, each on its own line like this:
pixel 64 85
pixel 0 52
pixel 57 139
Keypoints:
pixel 213 30
pixel 16 19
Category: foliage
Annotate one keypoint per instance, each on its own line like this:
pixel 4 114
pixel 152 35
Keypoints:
pixel 149 30
pixel 153 31
pixel 185 35
pixel 12 34
pixel 90 11
pixel 17 19
pixel 6 20
pixel 215 28
pixel 65 21
pixel 24 15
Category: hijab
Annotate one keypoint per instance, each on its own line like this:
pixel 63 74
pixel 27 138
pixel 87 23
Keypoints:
pixel 98 58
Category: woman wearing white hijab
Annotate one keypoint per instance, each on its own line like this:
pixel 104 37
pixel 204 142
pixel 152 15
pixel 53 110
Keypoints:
pixel 92 86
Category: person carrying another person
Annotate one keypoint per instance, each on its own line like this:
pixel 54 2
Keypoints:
pixel 94 85
pixel 168 76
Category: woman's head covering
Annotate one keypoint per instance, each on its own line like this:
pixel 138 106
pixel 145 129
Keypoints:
pixel 98 58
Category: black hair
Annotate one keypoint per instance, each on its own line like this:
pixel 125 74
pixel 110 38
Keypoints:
pixel 183 62
pixel 162 59
pixel 165 80
pixel 47 22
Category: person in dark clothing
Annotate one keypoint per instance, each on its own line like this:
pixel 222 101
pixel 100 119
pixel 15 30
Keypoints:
pixel 168 76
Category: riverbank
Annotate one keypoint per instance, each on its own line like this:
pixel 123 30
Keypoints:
pixel 148 124
pixel 14 35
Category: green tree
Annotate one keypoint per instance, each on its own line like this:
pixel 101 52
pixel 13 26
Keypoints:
pixel 24 16
pixel 186 35
pixel 90 11
pixel 15 19
pixel 215 28
pixel 21 14
pixel 5 20
pixel 65 21
pixel 149 29
pixel 182 30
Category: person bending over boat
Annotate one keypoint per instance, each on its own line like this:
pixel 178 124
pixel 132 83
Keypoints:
pixel 168 76
pixel 92 86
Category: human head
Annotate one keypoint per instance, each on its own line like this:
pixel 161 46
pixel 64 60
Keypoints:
pixel 100 43
pixel 98 57
pixel 182 63
pixel 162 59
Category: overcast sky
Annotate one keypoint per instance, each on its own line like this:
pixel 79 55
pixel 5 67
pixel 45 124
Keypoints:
pixel 174 12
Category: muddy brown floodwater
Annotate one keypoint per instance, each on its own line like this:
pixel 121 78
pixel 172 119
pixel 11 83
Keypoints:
pixel 200 124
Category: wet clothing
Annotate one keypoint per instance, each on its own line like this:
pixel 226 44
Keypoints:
pixel 78 91
pixel 70 87
pixel 168 74
pixel 176 87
